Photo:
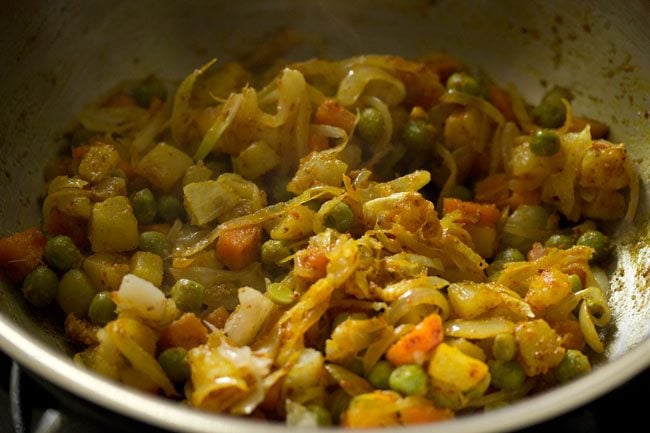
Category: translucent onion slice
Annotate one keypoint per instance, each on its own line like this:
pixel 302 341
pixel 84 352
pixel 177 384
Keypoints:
pixel 417 296
pixel 588 329
pixel 479 329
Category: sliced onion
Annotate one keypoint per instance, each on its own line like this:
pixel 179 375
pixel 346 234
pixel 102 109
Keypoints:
pixel 478 329
pixel 417 296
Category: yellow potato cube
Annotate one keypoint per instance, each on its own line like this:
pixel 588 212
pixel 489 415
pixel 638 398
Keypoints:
pixel 453 369
pixel 106 270
pixel 163 166
pixel 148 266
pixel 113 227
pixel 256 160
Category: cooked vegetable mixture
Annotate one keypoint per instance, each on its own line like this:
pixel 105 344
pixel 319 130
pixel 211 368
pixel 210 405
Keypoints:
pixel 367 242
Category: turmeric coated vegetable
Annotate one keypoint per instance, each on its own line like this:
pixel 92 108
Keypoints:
pixel 367 242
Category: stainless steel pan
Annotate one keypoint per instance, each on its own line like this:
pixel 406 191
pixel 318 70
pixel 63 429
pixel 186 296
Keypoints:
pixel 58 55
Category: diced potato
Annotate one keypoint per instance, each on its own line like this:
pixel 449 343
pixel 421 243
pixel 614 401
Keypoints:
pixel 196 173
pixel 470 299
pixel 531 170
pixel 148 266
pixel 257 159
pixel 99 162
pixel 603 166
pixel 454 369
pixel 163 166
pixel 106 270
pixel 113 227
pixel 205 201
pixel 539 348
pixel 467 126
pixel 296 224
pixel 546 289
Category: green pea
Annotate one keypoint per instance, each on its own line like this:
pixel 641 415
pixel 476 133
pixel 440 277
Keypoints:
pixel 102 309
pixel 506 374
pixel 505 256
pixel 143 203
pixel 40 286
pixel 462 192
pixel 280 293
pixel 510 255
pixel 379 374
pixel 409 379
pixel 188 295
pixel 573 365
pixel 75 293
pixel 155 242
pixel 551 112
pixel 62 253
pixel 504 347
pixel 323 416
pixel 370 125
pixel 596 240
pixel 463 82
pixel 273 251
pixel 147 90
pixel 544 142
pixel 560 241
pixel 169 208
pixel 174 363
pixel 576 283
pixel 549 115
pixel 418 134
pixel 340 217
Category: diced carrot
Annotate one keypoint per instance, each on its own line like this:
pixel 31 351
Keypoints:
pixel 217 317
pixel 186 331
pixel 525 197
pixel 493 189
pixel 60 224
pixel 330 112
pixel 500 99
pixel 239 247
pixel 424 413
pixel 21 252
pixel 485 214
pixel 311 263
pixel 413 347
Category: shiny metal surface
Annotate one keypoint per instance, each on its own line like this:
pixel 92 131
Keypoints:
pixel 59 55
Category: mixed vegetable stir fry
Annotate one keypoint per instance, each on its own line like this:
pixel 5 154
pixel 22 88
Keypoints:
pixel 373 241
